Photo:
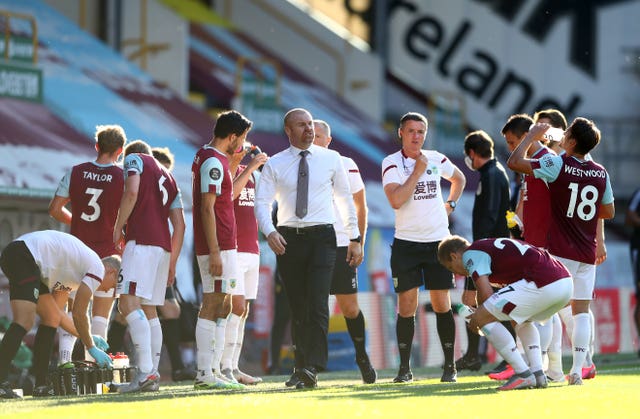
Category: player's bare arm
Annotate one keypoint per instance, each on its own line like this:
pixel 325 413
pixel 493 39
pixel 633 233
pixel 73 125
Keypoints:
pixel 80 315
pixel 208 215
pixel 58 210
pixel 127 203
pixel 483 287
pixel 176 218
pixel 362 213
pixel 518 160
pixel 458 182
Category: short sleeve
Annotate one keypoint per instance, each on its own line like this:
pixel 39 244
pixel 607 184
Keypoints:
pixel 353 173
pixel 390 173
pixel 133 165
pixel 211 176
pixel 477 263
pixel 547 167
pixel 63 186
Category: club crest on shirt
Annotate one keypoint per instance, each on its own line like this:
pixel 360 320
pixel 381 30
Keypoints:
pixel 232 283
pixel 215 173
pixel 469 265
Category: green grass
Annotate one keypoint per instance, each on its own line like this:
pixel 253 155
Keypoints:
pixel 341 394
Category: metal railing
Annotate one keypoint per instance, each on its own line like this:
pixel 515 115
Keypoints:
pixel 7 15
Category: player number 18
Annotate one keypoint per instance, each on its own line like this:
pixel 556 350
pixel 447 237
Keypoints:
pixel 586 208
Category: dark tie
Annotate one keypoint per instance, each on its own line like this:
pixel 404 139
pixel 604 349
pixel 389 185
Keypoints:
pixel 302 197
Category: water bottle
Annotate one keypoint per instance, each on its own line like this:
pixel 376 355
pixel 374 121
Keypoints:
pixel 465 312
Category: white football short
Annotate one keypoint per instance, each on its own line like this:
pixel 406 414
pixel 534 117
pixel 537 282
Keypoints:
pixel 584 278
pixel 248 274
pixel 523 300
pixel 144 273
pixel 110 293
pixel 225 283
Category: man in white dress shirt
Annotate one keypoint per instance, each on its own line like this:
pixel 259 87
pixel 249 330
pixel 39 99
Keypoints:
pixel 344 284
pixel 304 240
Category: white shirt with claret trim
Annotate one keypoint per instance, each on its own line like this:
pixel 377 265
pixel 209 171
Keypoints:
pixel 355 185
pixel 423 218
pixel 327 181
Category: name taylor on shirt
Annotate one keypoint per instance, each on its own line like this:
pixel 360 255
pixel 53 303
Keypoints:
pixel 98 177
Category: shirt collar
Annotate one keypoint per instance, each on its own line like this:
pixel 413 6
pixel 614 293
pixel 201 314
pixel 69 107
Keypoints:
pixel 295 150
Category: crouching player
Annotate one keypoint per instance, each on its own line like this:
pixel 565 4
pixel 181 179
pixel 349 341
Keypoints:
pixel 535 286
pixel 38 264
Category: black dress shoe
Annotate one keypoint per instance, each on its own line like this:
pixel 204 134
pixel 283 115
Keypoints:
pixel 308 378
pixel 468 363
pixel 404 375
pixel 449 375
pixel 366 369
pixel 294 380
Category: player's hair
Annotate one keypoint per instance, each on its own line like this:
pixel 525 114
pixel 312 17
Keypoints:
pixel 113 261
pixel 480 142
pixel 326 126
pixel 110 138
pixel 517 124
pixel 414 116
pixel 230 122
pixel 556 118
pixel 164 156
pixel 451 244
pixel 137 146
pixel 411 116
pixel 585 133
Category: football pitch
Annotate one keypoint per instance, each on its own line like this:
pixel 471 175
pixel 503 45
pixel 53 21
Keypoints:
pixel 342 395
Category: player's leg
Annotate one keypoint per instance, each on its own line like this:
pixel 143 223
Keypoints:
pixel 344 285
pixel 405 329
pixel 635 264
pixel 50 315
pixel 136 284
pixel 215 292
pixel 584 281
pixel 554 371
pixel 407 278
pixel 251 278
pixel 66 340
pixel 169 313
pixel 439 281
pixel 232 331
pixel 18 264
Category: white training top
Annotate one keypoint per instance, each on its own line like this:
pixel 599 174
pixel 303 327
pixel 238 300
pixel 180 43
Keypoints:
pixel 355 185
pixel 65 261
pixel 327 180
pixel 423 217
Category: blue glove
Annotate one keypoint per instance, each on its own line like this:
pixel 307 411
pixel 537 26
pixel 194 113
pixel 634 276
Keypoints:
pixel 100 342
pixel 102 359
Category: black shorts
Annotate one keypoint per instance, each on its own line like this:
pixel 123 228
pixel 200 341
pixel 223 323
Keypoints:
pixel 635 266
pixel 415 264
pixel 170 293
pixel 345 276
pixel 25 278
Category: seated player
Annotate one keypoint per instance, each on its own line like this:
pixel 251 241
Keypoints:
pixel 535 287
